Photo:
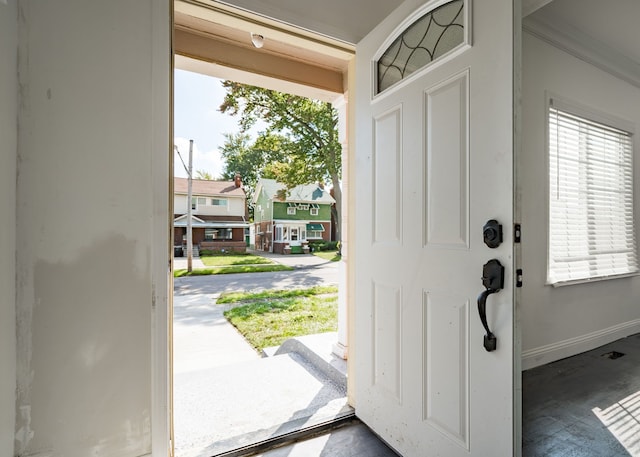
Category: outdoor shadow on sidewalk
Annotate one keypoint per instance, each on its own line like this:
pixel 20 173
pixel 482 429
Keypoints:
pixel 299 278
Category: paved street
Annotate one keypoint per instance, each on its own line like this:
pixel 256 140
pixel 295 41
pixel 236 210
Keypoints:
pixel 305 277
pixel 309 271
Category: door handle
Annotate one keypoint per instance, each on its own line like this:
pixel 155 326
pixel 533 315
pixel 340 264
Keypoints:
pixel 493 281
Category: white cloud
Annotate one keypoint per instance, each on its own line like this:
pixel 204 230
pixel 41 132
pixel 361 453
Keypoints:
pixel 196 116
pixel 210 161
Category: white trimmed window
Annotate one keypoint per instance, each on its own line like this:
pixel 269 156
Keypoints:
pixel 591 220
pixel 291 210
pixel 218 202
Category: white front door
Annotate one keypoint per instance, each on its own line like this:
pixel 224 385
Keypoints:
pixel 434 161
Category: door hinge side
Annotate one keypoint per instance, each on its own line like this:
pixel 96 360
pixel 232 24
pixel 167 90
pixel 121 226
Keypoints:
pixel 519 277
pixel 517 232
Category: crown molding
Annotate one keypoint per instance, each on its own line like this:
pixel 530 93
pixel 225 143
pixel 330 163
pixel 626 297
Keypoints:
pixel 582 46
pixel 531 6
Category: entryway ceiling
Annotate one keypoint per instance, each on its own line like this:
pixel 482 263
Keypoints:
pixel 344 20
pixel 319 36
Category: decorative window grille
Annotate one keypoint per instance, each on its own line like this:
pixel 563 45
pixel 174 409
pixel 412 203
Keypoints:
pixel 591 220
pixel 432 36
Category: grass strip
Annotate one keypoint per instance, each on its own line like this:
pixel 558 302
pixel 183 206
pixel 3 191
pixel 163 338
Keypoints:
pixel 223 260
pixel 332 256
pixel 270 322
pixel 230 269
pixel 236 297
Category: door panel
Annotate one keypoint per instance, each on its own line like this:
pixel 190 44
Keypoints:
pixel 447 152
pixel 433 164
pixel 387 223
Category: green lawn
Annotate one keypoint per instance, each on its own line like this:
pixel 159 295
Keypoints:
pixel 237 297
pixel 230 269
pixel 333 256
pixel 238 259
pixel 275 316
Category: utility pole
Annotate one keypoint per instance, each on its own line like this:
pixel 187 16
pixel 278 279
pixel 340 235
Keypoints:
pixel 189 209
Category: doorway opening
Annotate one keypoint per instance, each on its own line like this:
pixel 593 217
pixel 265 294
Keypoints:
pixel 580 65
pixel 212 42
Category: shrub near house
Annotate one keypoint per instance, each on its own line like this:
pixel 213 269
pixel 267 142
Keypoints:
pixel 286 221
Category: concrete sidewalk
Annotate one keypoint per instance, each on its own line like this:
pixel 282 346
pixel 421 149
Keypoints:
pixel 202 336
pixel 180 263
pixel 291 260
pixel 227 396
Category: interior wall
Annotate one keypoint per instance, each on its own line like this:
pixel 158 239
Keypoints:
pixel 563 321
pixel 8 149
pixel 91 214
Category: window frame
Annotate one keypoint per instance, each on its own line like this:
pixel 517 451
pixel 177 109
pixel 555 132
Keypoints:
pixel 219 201
pixel 215 233
pixel 589 115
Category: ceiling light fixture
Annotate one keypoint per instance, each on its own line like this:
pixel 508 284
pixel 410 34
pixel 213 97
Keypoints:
pixel 257 40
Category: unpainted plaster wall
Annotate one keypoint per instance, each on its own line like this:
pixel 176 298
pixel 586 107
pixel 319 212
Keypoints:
pixel 559 322
pixel 88 218
pixel 8 148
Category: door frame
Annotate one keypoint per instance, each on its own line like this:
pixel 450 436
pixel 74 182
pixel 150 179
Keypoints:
pixel 188 61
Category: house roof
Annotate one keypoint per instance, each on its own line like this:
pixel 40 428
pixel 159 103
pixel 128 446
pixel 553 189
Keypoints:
pixel 207 187
pixel 208 218
pixel 305 193
pixel 209 222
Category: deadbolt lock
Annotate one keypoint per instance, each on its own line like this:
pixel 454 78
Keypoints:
pixel 492 233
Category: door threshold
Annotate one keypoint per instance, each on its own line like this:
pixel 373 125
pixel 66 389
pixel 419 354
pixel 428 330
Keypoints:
pixel 291 437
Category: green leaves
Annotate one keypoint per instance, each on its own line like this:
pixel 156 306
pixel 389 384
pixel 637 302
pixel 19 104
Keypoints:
pixel 299 146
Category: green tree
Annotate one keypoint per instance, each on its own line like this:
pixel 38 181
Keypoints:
pixel 202 174
pixel 251 160
pixel 300 144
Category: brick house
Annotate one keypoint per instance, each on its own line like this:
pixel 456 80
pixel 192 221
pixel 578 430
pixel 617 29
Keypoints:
pixel 219 214
pixel 285 222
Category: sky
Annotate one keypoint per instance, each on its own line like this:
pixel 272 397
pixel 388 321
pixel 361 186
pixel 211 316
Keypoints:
pixel 196 116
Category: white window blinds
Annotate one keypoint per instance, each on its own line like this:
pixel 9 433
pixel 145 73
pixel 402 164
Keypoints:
pixel 591 223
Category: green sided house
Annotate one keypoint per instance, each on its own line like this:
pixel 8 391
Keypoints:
pixel 218 214
pixel 285 222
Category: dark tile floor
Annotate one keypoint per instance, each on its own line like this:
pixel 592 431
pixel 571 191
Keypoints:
pixel 586 405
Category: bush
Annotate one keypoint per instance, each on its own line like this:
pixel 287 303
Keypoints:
pixel 211 252
pixel 324 245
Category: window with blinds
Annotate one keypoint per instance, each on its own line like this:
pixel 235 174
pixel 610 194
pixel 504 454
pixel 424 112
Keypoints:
pixel 591 222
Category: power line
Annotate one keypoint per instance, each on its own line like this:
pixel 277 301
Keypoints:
pixel 182 160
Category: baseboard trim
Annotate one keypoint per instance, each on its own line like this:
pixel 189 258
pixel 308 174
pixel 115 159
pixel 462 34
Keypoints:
pixel 551 352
